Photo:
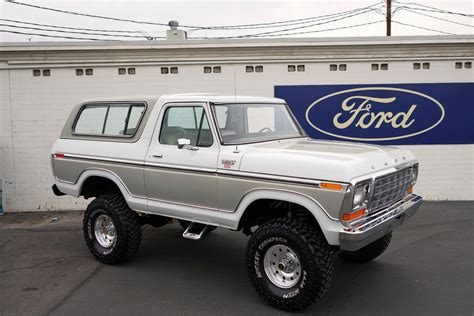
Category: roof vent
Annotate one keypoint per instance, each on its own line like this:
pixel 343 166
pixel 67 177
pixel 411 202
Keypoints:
pixel 173 33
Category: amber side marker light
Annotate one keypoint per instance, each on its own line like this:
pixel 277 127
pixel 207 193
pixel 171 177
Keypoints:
pixel 409 190
pixel 351 216
pixel 331 186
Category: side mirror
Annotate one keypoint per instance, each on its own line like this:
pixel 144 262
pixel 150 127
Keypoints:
pixel 186 144
pixel 182 142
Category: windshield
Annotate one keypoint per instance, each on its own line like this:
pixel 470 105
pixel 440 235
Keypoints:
pixel 247 123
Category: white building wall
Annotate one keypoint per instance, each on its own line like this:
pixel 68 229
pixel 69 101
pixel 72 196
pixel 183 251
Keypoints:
pixel 6 147
pixel 33 110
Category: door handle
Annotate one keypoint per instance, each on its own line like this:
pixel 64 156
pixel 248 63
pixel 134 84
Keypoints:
pixel 158 156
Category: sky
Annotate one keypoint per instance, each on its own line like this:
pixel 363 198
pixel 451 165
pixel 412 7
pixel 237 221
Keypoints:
pixel 232 12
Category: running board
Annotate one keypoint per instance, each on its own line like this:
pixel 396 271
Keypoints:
pixel 195 231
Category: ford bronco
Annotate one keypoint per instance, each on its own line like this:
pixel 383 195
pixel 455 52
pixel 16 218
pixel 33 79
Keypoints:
pixel 242 163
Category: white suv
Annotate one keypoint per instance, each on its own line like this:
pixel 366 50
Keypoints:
pixel 241 163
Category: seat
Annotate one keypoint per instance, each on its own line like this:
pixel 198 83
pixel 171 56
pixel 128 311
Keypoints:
pixel 170 135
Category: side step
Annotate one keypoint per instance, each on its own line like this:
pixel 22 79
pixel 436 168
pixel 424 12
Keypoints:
pixel 195 231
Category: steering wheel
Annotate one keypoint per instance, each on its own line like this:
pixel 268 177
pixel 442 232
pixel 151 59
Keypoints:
pixel 265 129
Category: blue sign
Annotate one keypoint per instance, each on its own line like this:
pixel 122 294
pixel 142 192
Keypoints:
pixel 421 113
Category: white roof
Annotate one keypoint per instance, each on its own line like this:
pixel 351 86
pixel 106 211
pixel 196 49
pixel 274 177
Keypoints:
pixel 188 97
pixel 218 98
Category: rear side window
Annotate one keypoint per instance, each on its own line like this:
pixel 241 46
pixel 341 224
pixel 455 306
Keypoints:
pixel 120 119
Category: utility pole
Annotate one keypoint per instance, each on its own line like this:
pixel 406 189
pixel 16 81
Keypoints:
pixel 389 17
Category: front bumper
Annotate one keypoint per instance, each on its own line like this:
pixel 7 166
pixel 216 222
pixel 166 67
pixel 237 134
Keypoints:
pixel 378 225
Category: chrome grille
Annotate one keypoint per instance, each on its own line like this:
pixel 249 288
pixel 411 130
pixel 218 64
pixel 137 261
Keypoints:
pixel 390 188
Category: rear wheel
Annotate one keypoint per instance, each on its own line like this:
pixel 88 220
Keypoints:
pixel 369 252
pixel 112 230
pixel 289 263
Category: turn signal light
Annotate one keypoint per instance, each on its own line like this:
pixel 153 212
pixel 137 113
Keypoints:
pixel 331 186
pixel 351 216
pixel 409 190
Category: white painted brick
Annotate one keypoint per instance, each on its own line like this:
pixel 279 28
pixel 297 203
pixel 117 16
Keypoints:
pixel 40 105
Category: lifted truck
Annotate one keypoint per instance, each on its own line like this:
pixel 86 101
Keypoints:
pixel 241 163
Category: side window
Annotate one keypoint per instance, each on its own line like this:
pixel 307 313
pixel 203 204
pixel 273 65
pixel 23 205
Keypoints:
pixel 91 120
pixel 261 119
pixel 134 118
pixel 109 119
pixel 115 123
pixel 189 122
pixel 183 117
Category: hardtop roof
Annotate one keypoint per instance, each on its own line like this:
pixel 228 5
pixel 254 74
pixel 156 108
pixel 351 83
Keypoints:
pixel 187 97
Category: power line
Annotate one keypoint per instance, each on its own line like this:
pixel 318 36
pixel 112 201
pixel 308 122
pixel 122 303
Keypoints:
pixel 69 32
pixel 55 36
pixel 289 22
pixel 280 24
pixel 67 27
pixel 433 9
pixel 438 18
pixel 303 32
pixel 96 16
pixel 298 24
pixel 263 34
pixel 438 11
pixel 223 27
pixel 140 32
pixel 421 27
pixel 272 35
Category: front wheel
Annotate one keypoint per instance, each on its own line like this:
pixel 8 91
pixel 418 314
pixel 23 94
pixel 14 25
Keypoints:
pixel 289 263
pixel 112 230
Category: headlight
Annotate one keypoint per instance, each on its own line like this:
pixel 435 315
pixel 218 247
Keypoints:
pixel 414 174
pixel 360 202
pixel 361 196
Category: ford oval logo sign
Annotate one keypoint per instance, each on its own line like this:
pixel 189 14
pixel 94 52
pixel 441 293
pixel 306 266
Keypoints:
pixel 375 113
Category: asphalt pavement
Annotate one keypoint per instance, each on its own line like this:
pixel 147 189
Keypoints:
pixel 45 268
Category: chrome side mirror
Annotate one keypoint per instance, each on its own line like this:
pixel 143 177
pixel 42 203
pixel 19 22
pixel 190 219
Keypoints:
pixel 186 144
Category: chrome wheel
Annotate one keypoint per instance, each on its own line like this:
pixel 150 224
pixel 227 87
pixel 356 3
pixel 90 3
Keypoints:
pixel 282 266
pixel 104 231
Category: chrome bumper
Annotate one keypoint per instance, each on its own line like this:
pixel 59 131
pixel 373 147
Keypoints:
pixel 363 232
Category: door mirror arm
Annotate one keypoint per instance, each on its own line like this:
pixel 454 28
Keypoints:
pixel 190 147
pixel 184 143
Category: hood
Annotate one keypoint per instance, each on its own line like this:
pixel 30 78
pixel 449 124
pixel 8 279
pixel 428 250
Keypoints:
pixel 323 160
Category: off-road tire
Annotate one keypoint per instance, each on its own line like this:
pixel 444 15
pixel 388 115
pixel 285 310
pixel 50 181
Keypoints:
pixel 314 255
pixel 185 225
pixel 127 227
pixel 369 252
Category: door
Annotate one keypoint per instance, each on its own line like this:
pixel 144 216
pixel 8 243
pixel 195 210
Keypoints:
pixel 181 180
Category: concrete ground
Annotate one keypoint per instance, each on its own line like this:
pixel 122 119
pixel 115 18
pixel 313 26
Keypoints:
pixel 45 268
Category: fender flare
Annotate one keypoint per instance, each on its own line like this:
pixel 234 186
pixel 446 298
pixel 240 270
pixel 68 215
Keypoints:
pixel 329 226
pixel 74 189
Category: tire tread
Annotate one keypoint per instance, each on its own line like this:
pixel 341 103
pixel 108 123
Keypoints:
pixel 314 289
pixel 130 222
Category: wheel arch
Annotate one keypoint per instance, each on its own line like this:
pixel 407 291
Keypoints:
pixel 328 226
pixel 77 189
